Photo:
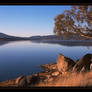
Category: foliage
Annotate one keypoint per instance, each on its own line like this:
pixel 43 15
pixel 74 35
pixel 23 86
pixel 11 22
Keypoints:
pixel 77 20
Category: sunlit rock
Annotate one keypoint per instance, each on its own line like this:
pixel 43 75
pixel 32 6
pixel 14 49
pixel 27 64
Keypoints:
pixel 22 82
pixel 64 64
pixel 55 73
pixel 84 62
pixel 49 67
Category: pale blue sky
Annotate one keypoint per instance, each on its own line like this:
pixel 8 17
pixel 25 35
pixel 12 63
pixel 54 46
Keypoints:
pixel 29 20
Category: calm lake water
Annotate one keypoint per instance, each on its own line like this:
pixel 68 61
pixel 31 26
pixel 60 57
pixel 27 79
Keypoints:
pixel 23 57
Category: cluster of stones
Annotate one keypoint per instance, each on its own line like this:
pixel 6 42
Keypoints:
pixel 52 70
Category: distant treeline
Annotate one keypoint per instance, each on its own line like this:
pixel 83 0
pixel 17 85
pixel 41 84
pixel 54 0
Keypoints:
pixel 62 37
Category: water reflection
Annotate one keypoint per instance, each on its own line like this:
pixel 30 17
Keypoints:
pixel 23 57
pixel 86 44
pixel 4 42
pixel 63 43
pixel 68 43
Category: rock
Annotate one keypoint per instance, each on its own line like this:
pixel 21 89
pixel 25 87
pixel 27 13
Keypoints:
pixel 50 79
pixel 18 79
pixel 42 78
pixel 85 62
pixel 22 81
pixel 8 83
pixel 90 66
pixel 49 67
pixel 35 74
pixel 35 79
pixel 28 78
pixel 64 64
pixel 55 73
pixel 46 75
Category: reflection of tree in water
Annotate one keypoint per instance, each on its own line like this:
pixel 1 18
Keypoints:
pixel 66 42
pixel 73 43
pixel 88 44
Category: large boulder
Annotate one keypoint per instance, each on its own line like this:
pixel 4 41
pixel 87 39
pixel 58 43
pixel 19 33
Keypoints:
pixel 83 63
pixel 18 79
pixel 64 64
pixel 21 81
pixel 28 81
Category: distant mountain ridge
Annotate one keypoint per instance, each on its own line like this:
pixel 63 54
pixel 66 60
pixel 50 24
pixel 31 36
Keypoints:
pixel 43 38
pixel 9 37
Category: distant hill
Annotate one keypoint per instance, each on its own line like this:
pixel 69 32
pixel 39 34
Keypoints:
pixel 48 37
pixel 42 38
pixel 8 37
pixel 62 37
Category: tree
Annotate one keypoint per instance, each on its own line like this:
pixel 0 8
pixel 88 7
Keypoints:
pixel 77 20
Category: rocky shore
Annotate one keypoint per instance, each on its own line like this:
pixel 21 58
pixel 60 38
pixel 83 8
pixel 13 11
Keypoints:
pixel 64 73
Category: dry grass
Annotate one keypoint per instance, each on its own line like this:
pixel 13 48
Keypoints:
pixel 64 80
pixel 71 80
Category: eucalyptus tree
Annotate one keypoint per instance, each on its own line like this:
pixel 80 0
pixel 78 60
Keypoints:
pixel 77 20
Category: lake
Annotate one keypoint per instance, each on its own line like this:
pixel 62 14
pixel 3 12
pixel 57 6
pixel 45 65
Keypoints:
pixel 24 57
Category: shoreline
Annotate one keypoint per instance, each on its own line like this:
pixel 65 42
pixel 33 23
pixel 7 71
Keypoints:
pixel 58 42
pixel 52 76
pixel 66 42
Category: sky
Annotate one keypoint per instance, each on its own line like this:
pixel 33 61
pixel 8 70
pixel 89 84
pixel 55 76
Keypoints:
pixel 29 20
